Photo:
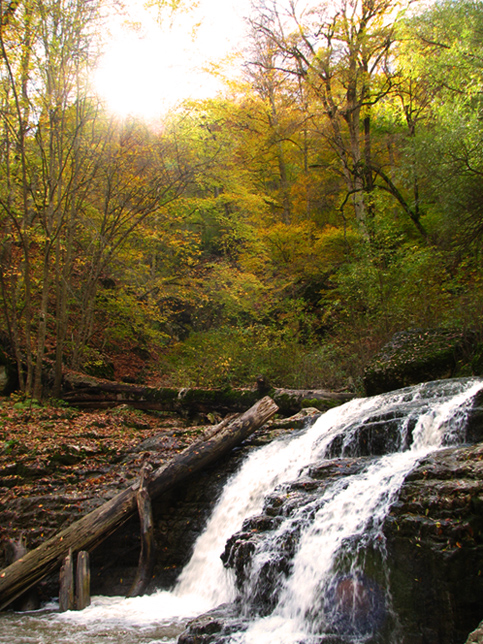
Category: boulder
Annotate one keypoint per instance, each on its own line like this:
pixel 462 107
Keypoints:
pixel 418 355
pixel 434 539
pixel 214 626
pixel 476 636
pixel 433 544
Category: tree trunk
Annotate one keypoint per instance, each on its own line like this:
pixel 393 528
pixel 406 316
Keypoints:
pixel 93 393
pixel 91 530
pixel 42 330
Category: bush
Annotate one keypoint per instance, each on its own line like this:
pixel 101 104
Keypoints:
pixel 236 356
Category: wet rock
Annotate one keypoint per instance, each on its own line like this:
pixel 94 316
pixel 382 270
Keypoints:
pixel 378 435
pixel 474 425
pixel 435 547
pixel 476 636
pixel 260 584
pixel 213 627
pixel 14 550
pixel 433 540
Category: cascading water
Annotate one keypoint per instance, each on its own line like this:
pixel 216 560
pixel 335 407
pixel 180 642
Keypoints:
pixel 326 590
pixel 330 582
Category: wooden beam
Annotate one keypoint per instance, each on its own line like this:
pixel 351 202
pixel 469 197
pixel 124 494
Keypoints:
pixel 66 583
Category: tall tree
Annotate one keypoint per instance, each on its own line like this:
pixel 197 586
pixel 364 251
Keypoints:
pixel 269 83
pixel 442 59
pixel 45 56
pixel 342 53
pixel 138 173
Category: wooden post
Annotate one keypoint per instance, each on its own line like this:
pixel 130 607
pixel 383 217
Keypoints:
pixel 66 591
pixel 148 546
pixel 83 581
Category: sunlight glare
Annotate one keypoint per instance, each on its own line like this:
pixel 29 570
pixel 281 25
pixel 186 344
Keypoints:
pixel 146 72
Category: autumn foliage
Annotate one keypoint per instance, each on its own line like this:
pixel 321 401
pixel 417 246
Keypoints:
pixel 290 227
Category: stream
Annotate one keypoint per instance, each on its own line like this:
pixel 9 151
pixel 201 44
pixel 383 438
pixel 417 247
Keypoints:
pixel 325 589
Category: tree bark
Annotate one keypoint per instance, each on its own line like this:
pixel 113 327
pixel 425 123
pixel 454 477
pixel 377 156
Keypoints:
pixel 93 393
pixel 92 529
pixel 66 581
pixel 82 581
pixel 148 545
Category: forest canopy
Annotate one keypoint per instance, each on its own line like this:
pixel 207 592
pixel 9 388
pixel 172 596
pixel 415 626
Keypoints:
pixel 289 226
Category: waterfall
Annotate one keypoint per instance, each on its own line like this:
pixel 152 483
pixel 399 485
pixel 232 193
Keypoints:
pixel 327 589
pixel 317 572
pixel 242 497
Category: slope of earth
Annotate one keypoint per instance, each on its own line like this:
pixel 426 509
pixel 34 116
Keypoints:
pixel 58 462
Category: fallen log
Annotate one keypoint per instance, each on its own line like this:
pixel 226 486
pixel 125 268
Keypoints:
pixel 291 401
pixel 94 393
pixel 89 531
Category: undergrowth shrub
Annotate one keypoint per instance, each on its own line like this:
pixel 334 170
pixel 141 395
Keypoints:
pixel 233 356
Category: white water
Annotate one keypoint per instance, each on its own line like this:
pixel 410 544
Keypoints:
pixel 350 513
pixel 347 512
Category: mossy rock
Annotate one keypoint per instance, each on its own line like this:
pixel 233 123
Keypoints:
pixel 416 356
pixel 99 367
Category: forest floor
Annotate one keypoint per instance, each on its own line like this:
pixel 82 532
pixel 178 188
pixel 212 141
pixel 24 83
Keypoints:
pixel 59 461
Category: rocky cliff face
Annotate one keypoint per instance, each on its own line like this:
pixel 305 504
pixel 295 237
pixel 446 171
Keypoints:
pixel 179 518
pixel 57 464
pixel 434 542
pixel 433 539
pixel 435 547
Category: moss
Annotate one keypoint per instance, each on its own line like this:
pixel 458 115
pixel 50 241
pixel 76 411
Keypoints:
pixel 162 395
pixel 218 399
pixel 100 368
pixel 476 364
pixel 284 402
pixel 417 356
pixel 321 405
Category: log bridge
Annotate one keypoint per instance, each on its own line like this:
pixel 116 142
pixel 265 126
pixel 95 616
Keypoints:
pixel 89 531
